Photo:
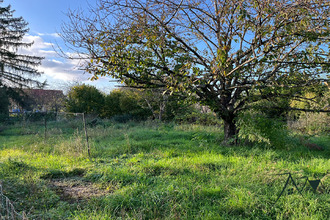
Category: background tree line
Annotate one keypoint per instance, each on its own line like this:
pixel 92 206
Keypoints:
pixel 269 121
pixel 126 104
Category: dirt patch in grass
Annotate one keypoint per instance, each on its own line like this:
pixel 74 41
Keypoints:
pixel 75 190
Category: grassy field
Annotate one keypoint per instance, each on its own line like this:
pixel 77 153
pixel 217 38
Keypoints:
pixel 158 171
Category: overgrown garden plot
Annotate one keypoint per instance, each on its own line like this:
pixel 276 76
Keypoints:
pixel 159 171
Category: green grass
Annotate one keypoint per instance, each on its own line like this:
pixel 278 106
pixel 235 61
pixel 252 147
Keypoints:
pixel 158 171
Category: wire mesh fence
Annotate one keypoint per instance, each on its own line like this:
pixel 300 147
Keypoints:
pixel 51 126
pixel 7 209
pixel 59 132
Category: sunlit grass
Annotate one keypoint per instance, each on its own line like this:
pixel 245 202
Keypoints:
pixel 161 171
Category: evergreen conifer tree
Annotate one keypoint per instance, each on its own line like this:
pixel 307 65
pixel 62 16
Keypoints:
pixel 17 70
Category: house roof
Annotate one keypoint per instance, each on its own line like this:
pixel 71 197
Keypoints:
pixel 43 93
pixel 45 98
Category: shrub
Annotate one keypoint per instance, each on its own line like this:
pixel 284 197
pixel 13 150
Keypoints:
pixel 122 118
pixel 3 118
pixel 257 127
pixel 197 117
pixel 123 105
pixel 4 104
pixel 84 99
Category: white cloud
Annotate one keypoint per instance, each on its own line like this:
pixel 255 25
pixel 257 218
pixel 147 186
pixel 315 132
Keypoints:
pixel 39 47
pixel 55 68
pixel 56 35
pixel 61 70
pixel 39 43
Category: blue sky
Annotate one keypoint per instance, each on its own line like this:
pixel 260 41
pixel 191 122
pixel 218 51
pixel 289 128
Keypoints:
pixel 45 18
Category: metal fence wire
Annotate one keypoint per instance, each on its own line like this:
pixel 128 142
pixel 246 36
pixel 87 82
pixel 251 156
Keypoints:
pixel 49 124
pixel 7 209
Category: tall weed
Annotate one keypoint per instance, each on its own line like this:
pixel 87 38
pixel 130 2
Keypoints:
pixel 312 123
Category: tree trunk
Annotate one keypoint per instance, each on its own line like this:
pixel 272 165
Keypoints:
pixel 230 131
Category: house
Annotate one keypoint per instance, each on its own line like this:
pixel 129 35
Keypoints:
pixel 39 100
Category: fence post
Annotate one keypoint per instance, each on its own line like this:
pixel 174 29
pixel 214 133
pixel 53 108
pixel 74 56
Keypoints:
pixel 45 119
pixel 86 135
pixel 23 121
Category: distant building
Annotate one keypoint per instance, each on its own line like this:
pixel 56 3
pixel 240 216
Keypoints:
pixel 40 100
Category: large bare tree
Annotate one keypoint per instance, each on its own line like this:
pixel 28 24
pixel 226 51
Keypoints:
pixel 226 53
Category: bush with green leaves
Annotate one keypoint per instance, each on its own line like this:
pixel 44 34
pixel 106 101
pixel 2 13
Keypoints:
pixel 112 104
pixel 124 105
pixel 84 99
pixel 4 104
pixel 195 116
pixel 256 127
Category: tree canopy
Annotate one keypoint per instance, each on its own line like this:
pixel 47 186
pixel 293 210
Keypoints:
pixel 228 54
pixel 84 99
